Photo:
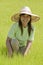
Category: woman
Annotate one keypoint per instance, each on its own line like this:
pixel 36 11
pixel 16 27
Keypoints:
pixel 21 34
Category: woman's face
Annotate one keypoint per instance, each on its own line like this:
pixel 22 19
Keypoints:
pixel 25 19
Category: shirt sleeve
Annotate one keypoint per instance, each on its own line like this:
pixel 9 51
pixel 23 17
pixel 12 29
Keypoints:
pixel 31 37
pixel 12 31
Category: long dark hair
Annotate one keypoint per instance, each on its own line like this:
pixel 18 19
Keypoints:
pixel 29 26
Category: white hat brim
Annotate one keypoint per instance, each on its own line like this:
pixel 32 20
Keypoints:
pixel 34 17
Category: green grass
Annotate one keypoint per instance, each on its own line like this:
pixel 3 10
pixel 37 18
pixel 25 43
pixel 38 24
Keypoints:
pixel 35 55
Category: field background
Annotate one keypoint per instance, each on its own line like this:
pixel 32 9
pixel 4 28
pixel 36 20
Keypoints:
pixel 35 55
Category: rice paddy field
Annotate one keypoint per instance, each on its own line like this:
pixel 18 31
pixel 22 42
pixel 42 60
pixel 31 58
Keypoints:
pixel 35 55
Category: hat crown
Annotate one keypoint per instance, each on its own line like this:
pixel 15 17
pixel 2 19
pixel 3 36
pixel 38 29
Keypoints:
pixel 26 10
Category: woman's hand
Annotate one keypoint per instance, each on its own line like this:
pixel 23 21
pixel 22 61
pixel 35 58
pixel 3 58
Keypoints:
pixel 27 48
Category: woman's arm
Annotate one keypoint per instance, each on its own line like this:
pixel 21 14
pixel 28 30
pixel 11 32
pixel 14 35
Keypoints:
pixel 8 45
pixel 27 47
pixel 29 42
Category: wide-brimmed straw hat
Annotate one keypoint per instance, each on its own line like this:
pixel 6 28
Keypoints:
pixel 25 10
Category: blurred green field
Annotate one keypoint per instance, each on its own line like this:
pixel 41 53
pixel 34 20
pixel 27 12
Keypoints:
pixel 35 55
